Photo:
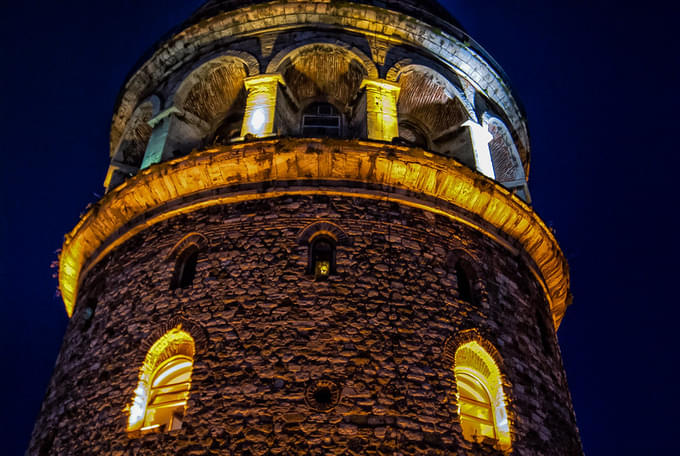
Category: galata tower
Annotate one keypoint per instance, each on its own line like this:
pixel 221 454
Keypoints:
pixel 316 239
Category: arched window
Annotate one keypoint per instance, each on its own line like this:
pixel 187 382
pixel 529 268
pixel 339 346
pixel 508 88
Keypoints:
pixel 322 257
pixel 321 119
pixel 481 401
pixel 185 268
pixel 164 383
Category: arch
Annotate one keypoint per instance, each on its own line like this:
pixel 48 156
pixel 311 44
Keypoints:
pixel 193 74
pixel 215 89
pixel 160 399
pixel 291 52
pixel 507 164
pixel 316 228
pixel 451 89
pixel 431 101
pixel 322 71
pixel 481 396
pixel 194 238
pixel 132 145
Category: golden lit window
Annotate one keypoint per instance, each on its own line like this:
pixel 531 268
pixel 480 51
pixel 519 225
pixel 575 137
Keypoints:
pixel 481 402
pixel 164 384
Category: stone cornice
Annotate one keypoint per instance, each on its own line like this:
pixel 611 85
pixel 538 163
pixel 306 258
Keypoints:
pixel 271 168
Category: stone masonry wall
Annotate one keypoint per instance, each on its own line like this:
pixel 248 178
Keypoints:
pixel 377 329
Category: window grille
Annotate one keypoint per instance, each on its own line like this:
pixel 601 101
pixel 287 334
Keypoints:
pixel 321 119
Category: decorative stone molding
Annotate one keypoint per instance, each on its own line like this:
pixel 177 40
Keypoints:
pixel 196 239
pixel 277 167
pixel 311 230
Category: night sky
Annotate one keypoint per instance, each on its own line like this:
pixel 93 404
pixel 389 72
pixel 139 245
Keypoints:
pixel 599 81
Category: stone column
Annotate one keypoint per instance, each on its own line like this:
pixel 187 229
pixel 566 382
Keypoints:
pixel 261 105
pixel 159 134
pixel 382 123
pixel 175 132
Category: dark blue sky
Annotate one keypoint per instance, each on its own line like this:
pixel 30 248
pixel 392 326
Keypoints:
pixel 599 83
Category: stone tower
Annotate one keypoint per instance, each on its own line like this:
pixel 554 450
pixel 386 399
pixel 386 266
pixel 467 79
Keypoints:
pixel 316 238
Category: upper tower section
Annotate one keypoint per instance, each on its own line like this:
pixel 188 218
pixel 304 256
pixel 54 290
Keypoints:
pixel 258 99
pixel 399 72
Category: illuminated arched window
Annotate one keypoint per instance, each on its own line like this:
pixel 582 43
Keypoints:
pixel 481 401
pixel 164 383
pixel 185 268
pixel 321 119
pixel 322 256
pixel 229 128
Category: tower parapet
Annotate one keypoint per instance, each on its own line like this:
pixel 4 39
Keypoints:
pixel 316 237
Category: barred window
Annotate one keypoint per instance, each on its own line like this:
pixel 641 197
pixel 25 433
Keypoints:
pixel 321 119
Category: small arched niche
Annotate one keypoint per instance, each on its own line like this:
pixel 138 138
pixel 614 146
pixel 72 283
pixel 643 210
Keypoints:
pixel 481 399
pixel 322 239
pixel 160 399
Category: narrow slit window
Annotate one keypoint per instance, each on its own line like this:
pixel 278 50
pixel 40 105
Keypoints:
pixel 464 284
pixel 185 268
pixel 321 119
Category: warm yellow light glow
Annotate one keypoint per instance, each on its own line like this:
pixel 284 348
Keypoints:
pixel 323 268
pixel 480 144
pixel 164 383
pixel 364 162
pixel 481 401
pixel 257 121
pixel 261 104
pixel 381 109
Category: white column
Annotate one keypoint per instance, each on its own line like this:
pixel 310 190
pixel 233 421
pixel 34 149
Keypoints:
pixel 480 144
